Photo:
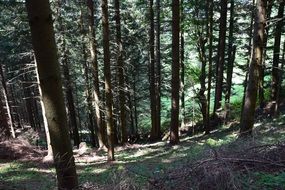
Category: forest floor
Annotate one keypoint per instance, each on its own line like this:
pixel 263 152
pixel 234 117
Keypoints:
pixel 217 161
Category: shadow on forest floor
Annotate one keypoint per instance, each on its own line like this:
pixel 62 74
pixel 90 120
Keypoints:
pixel 138 166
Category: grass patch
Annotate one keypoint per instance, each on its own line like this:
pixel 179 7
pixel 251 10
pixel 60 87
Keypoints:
pixel 16 175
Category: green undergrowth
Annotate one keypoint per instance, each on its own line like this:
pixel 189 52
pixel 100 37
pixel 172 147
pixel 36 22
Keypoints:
pixel 269 181
pixel 17 175
pixel 140 163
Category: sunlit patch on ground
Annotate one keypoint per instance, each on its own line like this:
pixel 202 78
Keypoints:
pixel 138 163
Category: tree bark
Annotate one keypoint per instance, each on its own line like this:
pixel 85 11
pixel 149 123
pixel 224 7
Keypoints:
pixel 91 126
pixel 158 70
pixel 134 85
pixel 45 122
pixel 108 85
pixel 40 20
pixel 120 65
pixel 210 13
pixel 90 113
pixel 14 108
pixel 276 53
pixel 229 82
pixel 182 59
pixel 221 56
pixel 230 61
pixel 28 101
pixel 175 81
pixel 152 78
pixel 247 119
pixel 201 95
pixel 281 72
pixel 66 73
pixel 262 69
pixel 5 113
pixel 70 101
pixel 94 62
pixel 249 54
pixel 131 110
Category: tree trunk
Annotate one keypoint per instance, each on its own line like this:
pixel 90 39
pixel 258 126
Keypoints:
pixel 5 114
pixel 67 79
pixel 230 61
pixel 262 69
pixel 131 112
pixel 16 109
pixel 152 87
pixel 249 54
pixel 135 102
pixel 40 20
pixel 158 70
pixel 229 82
pixel 276 54
pixel 108 85
pixel 210 13
pixel 201 96
pixel 28 101
pixel 121 77
pixel 90 113
pixel 130 106
pixel 247 119
pixel 221 56
pixel 175 82
pixel 281 72
pixel 182 74
pixel 36 110
pixel 94 62
pixel 70 100
pixel 45 122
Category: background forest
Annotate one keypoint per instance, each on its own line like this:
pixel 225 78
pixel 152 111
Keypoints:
pixel 140 89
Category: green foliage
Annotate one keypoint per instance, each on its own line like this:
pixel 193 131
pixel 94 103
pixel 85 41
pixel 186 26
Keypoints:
pixel 269 181
pixel 236 101
pixel 219 142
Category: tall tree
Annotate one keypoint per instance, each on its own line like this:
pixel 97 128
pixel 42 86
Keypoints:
pixel 158 69
pixel 94 62
pixel 221 55
pixel 262 69
pixel 230 59
pixel 248 112
pixel 86 66
pixel 107 75
pixel 249 50
pixel 65 63
pixel 120 65
pixel 40 19
pixel 175 82
pixel 28 97
pixel 201 95
pixel 43 110
pixel 91 126
pixel 70 101
pixel 210 22
pixel 281 72
pixel 5 114
pixel 182 65
pixel 152 87
pixel 276 53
